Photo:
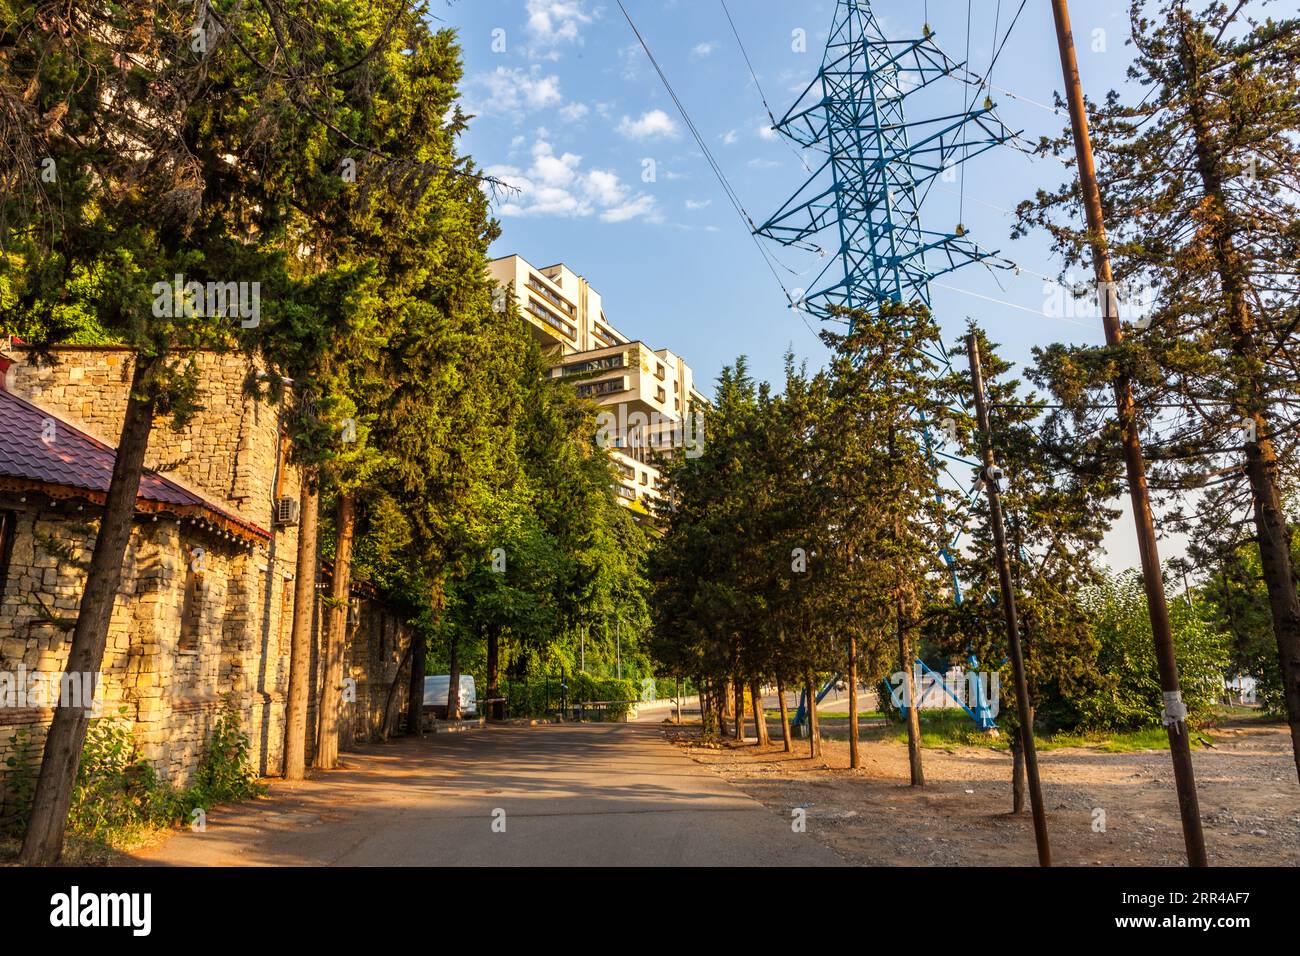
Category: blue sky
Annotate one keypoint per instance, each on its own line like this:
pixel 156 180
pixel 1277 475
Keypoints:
pixel 612 183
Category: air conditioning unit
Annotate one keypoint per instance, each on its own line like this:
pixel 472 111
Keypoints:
pixel 286 511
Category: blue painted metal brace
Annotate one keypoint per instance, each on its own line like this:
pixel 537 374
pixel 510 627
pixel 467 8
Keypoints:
pixel 801 714
pixel 979 709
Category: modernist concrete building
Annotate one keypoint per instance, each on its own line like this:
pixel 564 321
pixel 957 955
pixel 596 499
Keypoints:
pixel 647 393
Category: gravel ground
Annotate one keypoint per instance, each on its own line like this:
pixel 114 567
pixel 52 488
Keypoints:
pixel 1249 801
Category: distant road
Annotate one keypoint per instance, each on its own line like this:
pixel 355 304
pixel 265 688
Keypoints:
pixel 578 794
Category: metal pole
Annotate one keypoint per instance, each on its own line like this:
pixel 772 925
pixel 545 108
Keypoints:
pixel 993 492
pixel 1175 712
pixel 582 649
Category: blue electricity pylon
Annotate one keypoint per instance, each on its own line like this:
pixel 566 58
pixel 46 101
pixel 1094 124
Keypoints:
pixel 879 166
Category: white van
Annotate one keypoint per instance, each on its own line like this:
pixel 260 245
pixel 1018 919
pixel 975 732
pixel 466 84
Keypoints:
pixel 435 695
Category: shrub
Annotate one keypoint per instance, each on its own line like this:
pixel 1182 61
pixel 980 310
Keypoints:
pixel 118 796
pixel 1128 695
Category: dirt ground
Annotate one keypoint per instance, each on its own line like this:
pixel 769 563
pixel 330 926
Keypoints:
pixel 1249 801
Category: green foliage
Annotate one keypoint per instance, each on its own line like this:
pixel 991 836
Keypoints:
pixel 118 796
pixel 1200 180
pixel 226 772
pixel 1237 604
pixel 18 785
pixel 810 516
pixel 1054 527
pixel 1127 696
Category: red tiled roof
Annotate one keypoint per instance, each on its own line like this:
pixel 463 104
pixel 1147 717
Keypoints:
pixel 74 462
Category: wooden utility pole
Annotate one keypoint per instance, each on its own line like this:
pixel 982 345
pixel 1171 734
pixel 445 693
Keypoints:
pixel 990 475
pixel 1175 712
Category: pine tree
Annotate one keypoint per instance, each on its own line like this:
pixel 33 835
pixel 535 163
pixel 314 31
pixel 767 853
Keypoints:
pixel 1054 532
pixel 883 510
pixel 1200 188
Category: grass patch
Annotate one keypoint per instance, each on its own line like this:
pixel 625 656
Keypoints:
pixel 946 729
pixel 875 714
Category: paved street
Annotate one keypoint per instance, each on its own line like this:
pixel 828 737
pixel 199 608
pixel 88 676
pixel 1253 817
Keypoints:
pixel 579 794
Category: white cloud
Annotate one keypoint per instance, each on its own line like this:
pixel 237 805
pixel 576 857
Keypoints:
pixel 729 137
pixel 604 187
pixel 574 111
pixel 556 185
pixel 652 124
pixel 766 132
pixel 762 164
pixel 551 22
pixel 703 49
pixel 698 203
pixel 642 205
pixel 630 58
pixel 511 92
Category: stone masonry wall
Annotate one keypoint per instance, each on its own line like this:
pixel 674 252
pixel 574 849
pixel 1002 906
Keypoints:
pixel 169 693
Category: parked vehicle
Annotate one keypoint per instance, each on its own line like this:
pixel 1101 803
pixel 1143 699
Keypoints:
pixel 435 695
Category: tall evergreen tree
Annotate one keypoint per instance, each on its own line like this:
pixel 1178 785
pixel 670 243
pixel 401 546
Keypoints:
pixel 1199 182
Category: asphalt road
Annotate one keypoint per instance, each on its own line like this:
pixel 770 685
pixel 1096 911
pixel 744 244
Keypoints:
pixel 568 794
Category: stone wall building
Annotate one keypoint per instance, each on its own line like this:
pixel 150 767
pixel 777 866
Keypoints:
pixel 206 598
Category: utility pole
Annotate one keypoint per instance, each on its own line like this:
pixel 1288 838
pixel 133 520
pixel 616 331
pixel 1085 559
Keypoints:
pixel 991 474
pixel 1175 711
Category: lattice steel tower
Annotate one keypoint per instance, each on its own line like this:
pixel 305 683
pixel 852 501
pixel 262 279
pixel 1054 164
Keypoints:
pixel 878 168
pixel 879 165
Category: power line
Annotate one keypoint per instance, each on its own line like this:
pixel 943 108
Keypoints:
pixel 745 54
pixel 731 194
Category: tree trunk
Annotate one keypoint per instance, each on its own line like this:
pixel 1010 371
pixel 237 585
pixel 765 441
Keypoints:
pixel 715 712
pixel 453 685
pixel 43 842
pixel 331 696
pixel 785 715
pixel 1279 577
pixel 739 686
pixel 855 759
pixel 493 674
pixel 1017 773
pixel 679 700
pixel 415 697
pixel 760 719
pixel 814 725
pixel 390 711
pixel 913 704
pixel 1271 526
pixel 304 605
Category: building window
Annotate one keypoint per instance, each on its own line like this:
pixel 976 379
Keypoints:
pixel 191 611
pixel 660 395
pixel 536 284
pixel 550 318
pixel 607 387
pixel 617 360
